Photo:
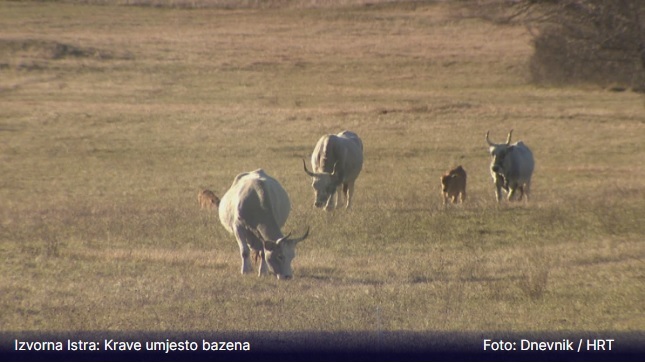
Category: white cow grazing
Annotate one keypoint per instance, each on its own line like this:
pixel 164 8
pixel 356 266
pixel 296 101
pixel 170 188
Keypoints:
pixel 254 209
pixel 337 161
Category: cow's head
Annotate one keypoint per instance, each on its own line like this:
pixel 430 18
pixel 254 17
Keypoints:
pixel 498 153
pixel 324 184
pixel 280 253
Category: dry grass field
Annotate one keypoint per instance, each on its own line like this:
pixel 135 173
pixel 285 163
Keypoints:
pixel 112 118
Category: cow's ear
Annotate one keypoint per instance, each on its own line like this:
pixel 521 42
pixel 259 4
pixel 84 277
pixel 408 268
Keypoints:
pixel 269 245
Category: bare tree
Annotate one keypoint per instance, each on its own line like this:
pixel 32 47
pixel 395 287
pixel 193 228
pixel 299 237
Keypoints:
pixel 599 41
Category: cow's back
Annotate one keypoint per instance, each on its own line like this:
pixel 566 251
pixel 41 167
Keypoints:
pixel 254 198
pixel 353 154
pixel 346 148
pixel 353 137
pixel 329 150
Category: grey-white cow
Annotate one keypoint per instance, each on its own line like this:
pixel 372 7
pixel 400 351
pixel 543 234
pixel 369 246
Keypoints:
pixel 254 209
pixel 337 161
pixel 511 167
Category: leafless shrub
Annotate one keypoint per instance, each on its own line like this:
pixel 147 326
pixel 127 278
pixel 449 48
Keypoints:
pixel 590 41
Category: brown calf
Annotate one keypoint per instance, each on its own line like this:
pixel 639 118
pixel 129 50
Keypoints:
pixel 453 184
pixel 207 199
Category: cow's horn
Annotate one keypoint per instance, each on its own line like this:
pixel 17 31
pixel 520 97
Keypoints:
pixel 304 236
pixel 487 140
pixel 508 139
pixel 304 163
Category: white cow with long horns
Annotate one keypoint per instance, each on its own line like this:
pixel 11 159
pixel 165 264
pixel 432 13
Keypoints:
pixel 337 161
pixel 254 209
pixel 511 167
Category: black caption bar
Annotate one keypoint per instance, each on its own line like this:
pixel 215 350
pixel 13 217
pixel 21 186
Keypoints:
pixel 322 346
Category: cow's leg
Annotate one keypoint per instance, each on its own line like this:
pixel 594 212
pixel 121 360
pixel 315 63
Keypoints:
pixel 242 235
pixel 462 196
pixel 264 269
pixel 348 188
pixel 346 194
pixel 499 183
pixel 512 188
pixel 527 189
pixel 331 202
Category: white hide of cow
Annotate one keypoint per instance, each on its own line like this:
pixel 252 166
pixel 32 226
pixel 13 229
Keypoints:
pixel 511 167
pixel 254 210
pixel 336 161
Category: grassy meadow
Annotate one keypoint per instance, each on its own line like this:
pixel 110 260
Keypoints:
pixel 113 117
